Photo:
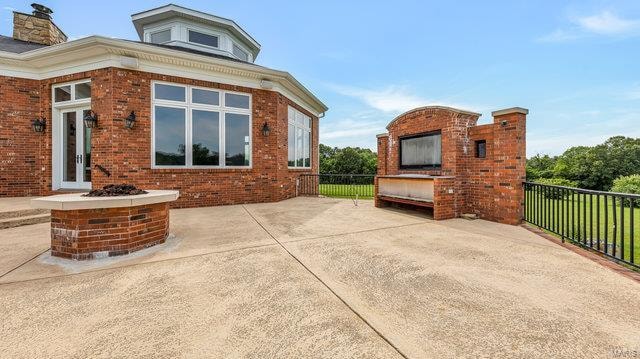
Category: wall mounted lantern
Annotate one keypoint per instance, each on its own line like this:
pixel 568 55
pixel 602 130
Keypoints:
pixel 90 120
pixel 39 124
pixel 265 129
pixel 130 121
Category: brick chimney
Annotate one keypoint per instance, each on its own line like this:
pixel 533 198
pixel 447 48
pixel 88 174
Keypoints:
pixel 37 27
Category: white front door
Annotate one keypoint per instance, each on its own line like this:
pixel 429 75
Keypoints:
pixel 75 159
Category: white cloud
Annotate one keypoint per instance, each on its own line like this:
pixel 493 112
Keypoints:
pixel 607 23
pixel 8 8
pixel 604 23
pixel 390 99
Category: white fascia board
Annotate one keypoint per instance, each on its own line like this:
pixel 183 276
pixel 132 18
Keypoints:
pixel 97 52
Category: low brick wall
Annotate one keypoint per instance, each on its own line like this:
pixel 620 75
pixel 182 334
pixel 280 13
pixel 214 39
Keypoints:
pixel 90 233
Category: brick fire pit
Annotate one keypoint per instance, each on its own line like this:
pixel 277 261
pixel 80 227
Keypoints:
pixel 92 227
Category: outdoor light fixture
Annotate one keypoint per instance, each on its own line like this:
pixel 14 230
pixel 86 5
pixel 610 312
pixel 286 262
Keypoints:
pixel 39 124
pixel 130 121
pixel 503 123
pixel 90 120
pixel 265 129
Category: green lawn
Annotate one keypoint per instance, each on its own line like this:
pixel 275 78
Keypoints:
pixel 364 191
pixel 566 217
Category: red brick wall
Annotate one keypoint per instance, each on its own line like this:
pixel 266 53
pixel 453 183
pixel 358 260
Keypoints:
pixel 127 153
pixel 490 187
pixel 21 149
pixel 87 233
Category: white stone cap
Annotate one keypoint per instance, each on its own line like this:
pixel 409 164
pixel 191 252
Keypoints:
pixel 506 111
pixel 72 201
pixel 382 135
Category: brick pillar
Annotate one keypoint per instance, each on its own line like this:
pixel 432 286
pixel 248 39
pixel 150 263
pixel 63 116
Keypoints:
pixel 509 153
pixel 445 198
pixel 383 151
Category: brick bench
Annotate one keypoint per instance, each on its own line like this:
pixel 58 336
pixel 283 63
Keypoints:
pixel 93 227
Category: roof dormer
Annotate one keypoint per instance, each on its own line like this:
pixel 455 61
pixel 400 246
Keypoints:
pixel 178 26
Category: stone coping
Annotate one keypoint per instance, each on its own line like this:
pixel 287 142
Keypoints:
pixel 414 176
pixel 73 201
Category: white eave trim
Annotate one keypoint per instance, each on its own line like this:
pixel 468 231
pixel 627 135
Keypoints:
pixel 95 52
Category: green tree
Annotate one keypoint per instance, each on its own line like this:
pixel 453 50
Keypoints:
pixel 348 160
pixel 540 166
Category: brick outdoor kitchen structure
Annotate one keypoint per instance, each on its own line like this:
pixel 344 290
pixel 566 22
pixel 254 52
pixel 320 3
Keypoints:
pixel 474 170
pixel 205 119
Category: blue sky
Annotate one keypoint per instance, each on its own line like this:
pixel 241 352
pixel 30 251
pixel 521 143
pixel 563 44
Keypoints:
pixel 574 64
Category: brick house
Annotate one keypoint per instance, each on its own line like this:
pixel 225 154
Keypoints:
pixel 439 157
pixel 184 108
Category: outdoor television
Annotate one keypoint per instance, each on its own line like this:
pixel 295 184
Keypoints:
pixel 423 151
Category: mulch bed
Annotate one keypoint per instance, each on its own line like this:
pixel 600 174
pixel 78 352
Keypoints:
pixel 113 190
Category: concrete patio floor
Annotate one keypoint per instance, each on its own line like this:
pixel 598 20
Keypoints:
pixel 312 277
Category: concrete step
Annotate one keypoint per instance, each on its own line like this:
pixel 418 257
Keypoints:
pixel 24 220
pixel 22 213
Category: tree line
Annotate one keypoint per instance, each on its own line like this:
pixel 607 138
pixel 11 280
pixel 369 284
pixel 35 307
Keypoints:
pixel 347 160
pixel 611 166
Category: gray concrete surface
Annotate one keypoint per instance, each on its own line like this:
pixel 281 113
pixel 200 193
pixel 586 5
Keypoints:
pixel 317 278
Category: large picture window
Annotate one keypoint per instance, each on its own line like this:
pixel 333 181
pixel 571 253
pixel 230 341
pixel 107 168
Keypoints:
pixel 299 139
pixel 200 127
pixel 421 151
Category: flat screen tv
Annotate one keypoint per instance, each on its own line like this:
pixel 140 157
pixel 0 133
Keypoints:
pixel 423 151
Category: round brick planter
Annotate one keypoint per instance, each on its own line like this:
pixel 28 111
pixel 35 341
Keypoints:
pixel 93 227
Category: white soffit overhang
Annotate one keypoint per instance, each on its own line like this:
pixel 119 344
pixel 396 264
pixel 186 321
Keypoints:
pixel 96 52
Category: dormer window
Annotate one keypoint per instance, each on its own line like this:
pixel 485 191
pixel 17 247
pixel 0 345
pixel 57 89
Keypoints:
pixel 160 37
pixel 194 30
pixel 240 53
pixel 203 39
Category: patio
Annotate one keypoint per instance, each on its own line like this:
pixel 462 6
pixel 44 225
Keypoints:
pixel 316 277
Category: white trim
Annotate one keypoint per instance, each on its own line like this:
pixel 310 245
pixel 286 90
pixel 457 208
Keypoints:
pixel 292 111
pixel 189 106
pixel 97 52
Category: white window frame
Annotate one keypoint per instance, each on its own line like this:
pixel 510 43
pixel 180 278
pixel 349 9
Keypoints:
pixel 73 100
pixel 155 31
pixel 234 45
pixel 205 32
pixel 189 106
pixel 296 126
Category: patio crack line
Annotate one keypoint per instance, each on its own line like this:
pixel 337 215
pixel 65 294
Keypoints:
pixel 126 266
pixel 355 232
pixel 29 260
pixel 375 330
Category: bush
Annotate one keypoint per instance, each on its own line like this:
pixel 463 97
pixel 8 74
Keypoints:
pixel 555 193
pixel 627 184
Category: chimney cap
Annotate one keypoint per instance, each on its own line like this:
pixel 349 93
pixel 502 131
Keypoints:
pixel 41 11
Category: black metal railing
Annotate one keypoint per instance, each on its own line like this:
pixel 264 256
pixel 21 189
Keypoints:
pixel 336 185
pixel 606 222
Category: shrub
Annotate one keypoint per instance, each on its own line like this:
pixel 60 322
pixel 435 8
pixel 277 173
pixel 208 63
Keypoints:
pixel 627 184
pixel 555 193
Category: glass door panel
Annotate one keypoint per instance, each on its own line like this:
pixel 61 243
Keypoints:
pixel 76 150
pixel 86 153
pixel 69 156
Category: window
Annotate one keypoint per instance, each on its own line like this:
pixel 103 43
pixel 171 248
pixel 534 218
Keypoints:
pixel 240 53
pixel 481 149
pixel 203 39
pixel 299 139
pixel 160 37
pixel 72 92
pixel 194 127
pixel 421 151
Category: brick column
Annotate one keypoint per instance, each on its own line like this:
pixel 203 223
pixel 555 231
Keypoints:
pixel 383 150
pixel 509 155
pixel 445 198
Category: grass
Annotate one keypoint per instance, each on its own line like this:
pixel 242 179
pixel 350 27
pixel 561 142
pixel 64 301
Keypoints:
pixel 364 191
pixel 596 226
